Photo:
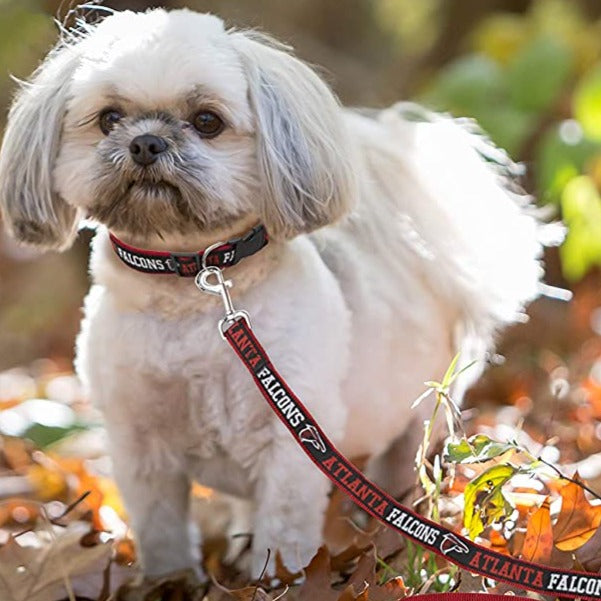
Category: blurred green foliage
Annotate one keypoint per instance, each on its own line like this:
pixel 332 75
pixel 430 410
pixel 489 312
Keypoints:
pixel 533 81
pixel 25 33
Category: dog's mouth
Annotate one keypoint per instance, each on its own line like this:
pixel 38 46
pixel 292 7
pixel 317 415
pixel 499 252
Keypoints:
pixel 152 188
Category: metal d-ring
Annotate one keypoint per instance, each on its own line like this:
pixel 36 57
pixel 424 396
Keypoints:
pixel 207 252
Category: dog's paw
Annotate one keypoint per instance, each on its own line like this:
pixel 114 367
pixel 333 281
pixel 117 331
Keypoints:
pixel 187 585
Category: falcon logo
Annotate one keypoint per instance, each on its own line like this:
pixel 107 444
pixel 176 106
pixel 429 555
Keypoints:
pixel 310 435
pixel 451 543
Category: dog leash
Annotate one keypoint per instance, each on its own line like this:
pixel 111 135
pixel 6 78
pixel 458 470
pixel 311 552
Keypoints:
pixel 235 327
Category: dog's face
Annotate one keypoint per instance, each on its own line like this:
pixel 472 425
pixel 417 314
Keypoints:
pixel 164 122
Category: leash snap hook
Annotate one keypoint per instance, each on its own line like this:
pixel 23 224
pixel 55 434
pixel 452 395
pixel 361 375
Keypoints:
pixel 220 288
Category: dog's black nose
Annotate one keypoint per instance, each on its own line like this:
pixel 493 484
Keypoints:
pixel 146 149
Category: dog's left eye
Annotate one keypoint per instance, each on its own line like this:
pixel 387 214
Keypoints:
pixel 108 119
pixel 208 124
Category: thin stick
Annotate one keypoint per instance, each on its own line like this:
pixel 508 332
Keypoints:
pixel 573 480
pixel 261 574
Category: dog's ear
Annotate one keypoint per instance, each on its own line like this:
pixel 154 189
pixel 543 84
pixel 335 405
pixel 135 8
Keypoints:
pixel 302 143
pixel 31 208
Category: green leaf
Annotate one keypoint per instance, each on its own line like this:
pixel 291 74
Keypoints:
pixel 507 125
pixel 581 207
pixel 467 85
pixel 587 104
pixel 538 73
pixel 463 370
pixel 558 162
pixel 484 502
pixel 43 436
pixel 476 449
pixel 448 376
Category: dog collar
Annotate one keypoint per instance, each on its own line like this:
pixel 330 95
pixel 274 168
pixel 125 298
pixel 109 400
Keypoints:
pixel 188 264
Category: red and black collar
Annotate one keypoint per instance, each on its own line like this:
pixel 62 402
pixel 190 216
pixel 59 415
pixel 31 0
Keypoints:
pixel 188 264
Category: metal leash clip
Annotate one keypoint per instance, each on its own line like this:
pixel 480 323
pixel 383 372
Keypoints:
pixel 220 288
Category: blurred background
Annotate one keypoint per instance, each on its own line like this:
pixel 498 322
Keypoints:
pixel 528 70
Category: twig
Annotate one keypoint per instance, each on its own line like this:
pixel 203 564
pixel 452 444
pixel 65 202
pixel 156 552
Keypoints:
pixel 105 593
pixel 261 575
pixel 282 593
pixel 55 521
pixel 573 480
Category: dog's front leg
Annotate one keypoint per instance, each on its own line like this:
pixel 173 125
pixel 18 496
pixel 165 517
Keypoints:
pixel 291 498
pixel 157 501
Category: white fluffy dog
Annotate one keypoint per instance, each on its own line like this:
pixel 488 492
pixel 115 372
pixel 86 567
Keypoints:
pixel 394 242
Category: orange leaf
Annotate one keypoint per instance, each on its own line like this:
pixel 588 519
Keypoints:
pixel 396 585
pixel 538 543
pixel 578 519
pixel 498 541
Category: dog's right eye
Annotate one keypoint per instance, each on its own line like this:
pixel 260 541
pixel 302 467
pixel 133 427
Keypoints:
pixel 108 119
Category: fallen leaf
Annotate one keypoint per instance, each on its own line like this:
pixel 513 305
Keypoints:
pixel 578 519
pixel 250 593
pixel 364 587
pixel 176 586
pixel 538 543
pixel 282 573
pixel 345 560
pixel 40 573
pixel 318 576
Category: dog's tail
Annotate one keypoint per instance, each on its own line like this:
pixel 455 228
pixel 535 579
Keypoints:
pixel 487 235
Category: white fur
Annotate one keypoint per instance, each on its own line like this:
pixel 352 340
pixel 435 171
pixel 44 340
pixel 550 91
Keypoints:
pixel 435 257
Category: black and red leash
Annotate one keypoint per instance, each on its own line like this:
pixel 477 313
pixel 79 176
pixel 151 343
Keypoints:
pixel 437 538
pixel 459 550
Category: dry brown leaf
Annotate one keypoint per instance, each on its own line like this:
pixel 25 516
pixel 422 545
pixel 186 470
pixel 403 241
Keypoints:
pixel 249 593
pixel 578 520
pixel 538 543
pixel 363 583
pixel 282 573
pixel 348 594
pixel 318 577
pixel 365 571
pixel 340 532
pixel 177 586
pixel 344 561
pixel 389 543
pixel 39 573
